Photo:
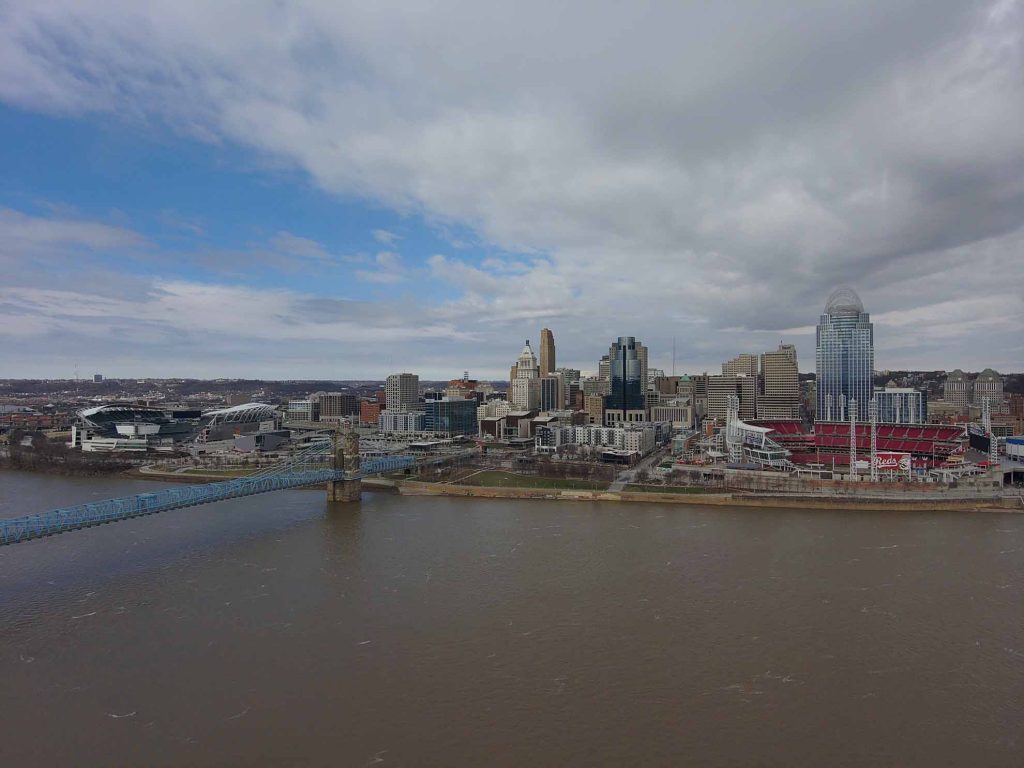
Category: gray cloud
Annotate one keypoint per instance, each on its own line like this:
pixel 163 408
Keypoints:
pixel 707 172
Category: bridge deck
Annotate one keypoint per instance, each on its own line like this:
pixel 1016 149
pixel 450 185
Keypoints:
pixel 299 473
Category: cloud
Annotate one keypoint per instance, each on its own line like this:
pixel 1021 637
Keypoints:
pixel 386 238
pixel 723 164
pixel 389 269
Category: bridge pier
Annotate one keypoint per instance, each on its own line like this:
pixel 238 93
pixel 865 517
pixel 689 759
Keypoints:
pixel 346 459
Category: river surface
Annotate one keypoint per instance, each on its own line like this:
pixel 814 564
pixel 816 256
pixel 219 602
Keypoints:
pixel 279 630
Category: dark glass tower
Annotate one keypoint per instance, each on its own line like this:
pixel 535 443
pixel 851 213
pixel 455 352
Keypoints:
pixel 625 369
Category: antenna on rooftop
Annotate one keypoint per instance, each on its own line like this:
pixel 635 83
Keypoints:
pixel 673 355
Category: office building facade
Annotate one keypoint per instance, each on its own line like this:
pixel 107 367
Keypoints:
pixel 845 357
pixel 628 374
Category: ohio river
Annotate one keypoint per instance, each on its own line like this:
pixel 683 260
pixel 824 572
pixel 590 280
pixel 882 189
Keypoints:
pixel 275 630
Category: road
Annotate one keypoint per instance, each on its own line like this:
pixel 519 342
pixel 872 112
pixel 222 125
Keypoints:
pixel 629 475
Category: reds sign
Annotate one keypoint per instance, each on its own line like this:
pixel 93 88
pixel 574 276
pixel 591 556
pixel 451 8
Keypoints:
pixel 893 462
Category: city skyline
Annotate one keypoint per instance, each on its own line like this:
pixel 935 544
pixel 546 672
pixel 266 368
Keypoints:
pixel 295 186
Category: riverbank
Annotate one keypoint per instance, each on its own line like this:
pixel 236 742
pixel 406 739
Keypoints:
pixel 646 494
pixel 784 501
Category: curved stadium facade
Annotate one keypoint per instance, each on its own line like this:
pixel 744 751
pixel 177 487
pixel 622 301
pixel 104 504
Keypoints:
pixel 226 423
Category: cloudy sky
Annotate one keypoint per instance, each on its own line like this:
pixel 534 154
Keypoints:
pixel 344 190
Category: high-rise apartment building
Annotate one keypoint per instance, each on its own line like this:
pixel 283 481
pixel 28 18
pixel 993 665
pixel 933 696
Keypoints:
pixel 628 372
pixel 779 397
pixel 402 392
pixel 547 352
pixel 741 365
pixel 845 357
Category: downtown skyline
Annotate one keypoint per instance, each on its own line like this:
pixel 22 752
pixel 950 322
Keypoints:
pixel 293 186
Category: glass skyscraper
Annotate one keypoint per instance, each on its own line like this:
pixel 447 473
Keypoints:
pixel 845 357
pixel 627 371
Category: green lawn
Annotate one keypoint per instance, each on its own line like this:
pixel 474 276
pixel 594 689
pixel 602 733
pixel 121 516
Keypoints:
pixel 664 489
pixel 498 478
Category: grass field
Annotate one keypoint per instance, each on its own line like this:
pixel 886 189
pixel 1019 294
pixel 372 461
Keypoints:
pixel 498 478
pixel 664 489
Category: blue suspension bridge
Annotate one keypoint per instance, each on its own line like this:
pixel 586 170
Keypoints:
pixel 322 463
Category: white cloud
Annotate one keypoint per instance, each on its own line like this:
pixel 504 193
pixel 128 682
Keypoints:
pixel 721 164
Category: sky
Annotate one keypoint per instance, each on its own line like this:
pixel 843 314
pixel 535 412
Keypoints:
pixel 343 190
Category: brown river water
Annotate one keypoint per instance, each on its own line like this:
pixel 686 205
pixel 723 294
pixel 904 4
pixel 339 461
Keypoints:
pixel 277 630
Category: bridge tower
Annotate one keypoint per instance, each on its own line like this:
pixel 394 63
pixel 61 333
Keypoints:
pixel 346 459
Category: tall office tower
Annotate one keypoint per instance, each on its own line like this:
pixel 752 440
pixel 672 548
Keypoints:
pixel 524 394
pixel 721 388
pixel 958 390
pixel 741 365
pixel 626 401
pixel 989 384
pixel 603 368
pixel 547 352
pixel 780 385
pixel 552 392
pixel 402 392
pixel 845 357
pixel 641 354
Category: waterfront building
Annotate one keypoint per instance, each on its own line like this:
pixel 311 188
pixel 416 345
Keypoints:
pixel 402 392
pixel 225 423
pixel 547 352
pixel 450 417
pixel 845 357
pixel 901 405
pixel 628 373
pixel 401 421
pixel 779 397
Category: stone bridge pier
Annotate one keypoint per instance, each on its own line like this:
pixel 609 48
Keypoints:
pixel 346 459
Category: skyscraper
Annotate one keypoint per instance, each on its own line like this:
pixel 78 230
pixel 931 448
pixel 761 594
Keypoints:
pixel 627 369
pixel 741 365
pixel 780 382
pixel 845 357
pixel 402 392
pixel 525 389
pixel 547 352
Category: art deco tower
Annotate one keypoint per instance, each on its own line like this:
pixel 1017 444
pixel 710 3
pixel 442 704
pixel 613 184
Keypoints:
pixel 547 352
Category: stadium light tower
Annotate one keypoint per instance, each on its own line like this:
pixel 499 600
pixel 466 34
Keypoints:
pixel 873 413
pixel 853 438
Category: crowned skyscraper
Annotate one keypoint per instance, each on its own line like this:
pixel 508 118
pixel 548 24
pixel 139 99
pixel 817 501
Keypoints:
pixel 845 357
